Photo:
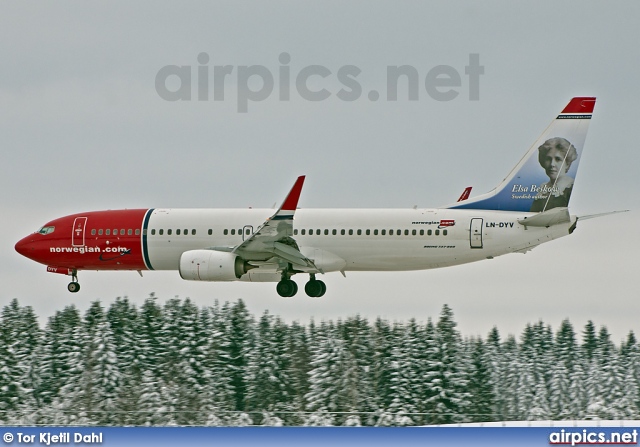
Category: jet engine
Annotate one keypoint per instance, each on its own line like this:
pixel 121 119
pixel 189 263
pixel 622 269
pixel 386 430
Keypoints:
pixel 211 265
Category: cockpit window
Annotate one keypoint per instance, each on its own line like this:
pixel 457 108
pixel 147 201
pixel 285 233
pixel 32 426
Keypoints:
pixel 46 230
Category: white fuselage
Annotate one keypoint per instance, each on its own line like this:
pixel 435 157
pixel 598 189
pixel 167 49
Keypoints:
pixel 355 239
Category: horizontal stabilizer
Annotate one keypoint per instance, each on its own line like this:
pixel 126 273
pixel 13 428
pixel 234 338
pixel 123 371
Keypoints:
pixel 593 216
pixel 548 218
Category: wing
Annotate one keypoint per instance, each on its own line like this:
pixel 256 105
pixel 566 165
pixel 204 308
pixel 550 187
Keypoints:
pixel 274 238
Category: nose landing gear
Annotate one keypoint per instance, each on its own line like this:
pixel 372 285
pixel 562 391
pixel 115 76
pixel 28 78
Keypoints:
pixel 74 285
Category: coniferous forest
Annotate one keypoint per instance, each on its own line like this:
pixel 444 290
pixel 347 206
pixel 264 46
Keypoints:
pixel 177 364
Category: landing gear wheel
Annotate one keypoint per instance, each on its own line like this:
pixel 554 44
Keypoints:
pixel 315 288
pixel 73 287
pixel 287 288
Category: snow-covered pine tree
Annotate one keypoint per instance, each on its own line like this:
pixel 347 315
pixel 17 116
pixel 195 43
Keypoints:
pixel 589 340
pixel 482 406
pixel 382 343
pixel 191 376
pixel 298 373
pixel 64 366
pixel 267 378
pixel 357 334
pixel 241 338
pixel 102 395
pixel 496 368
pixel 577 394
pixel 220 391
pixel 331 374
pixel 12 393
pixel 148 337
pixel 151 410
pixel 451 398
pixel 404 376
pixel 122 317
pixel 509 384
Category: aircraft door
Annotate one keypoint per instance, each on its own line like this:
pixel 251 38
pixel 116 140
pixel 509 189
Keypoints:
pixel 77 233
pixel 475 234
pixel 247 231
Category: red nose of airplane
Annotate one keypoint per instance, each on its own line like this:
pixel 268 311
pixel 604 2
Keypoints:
pixel 25 247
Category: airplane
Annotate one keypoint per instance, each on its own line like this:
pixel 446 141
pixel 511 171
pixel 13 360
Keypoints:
pixel 528 208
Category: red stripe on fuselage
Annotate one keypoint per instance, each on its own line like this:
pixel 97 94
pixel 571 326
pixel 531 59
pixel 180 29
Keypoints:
pixel 87 246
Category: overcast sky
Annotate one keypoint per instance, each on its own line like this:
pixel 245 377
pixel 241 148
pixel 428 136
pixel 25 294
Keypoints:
pixel 83 128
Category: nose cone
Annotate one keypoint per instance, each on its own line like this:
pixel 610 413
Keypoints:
pixel 25 246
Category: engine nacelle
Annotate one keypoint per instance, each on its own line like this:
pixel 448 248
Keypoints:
pixel 211 265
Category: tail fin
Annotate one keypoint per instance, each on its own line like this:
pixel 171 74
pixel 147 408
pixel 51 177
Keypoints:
pixel 543 179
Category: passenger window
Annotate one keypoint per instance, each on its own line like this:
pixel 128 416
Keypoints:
pixel 122 232
pixel 129 232
pixel 100 232
pixel 295 232
pixel 226 232
pixel 429 232
pixel 375 232
pixel 115 231
pixel 390 232
pixel 437 232
pixel 233 232
pixel 247 232
pixel 326 232
pixel 444 232
pixel 318 232
pixel 368 232
pixel 302 231
pixel 406 232
pixel 193 232
pixel 108 232
pixel 342 232
pixel 185 232
pixel 138 232
pixel 334 232
pixel 421 232
pixel 413 232
pixel 93 232
pixel 210 231
pixel 178 232
pixel 161 232
pixel 168 232
pixel 153 232
pixel 383 232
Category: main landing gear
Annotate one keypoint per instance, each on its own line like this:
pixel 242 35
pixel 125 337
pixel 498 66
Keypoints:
pixel 314 287
pixel 288 288
pixel 74 285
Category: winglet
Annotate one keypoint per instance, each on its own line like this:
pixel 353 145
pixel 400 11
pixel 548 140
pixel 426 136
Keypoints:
pixel 465 194
pixel 288 207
